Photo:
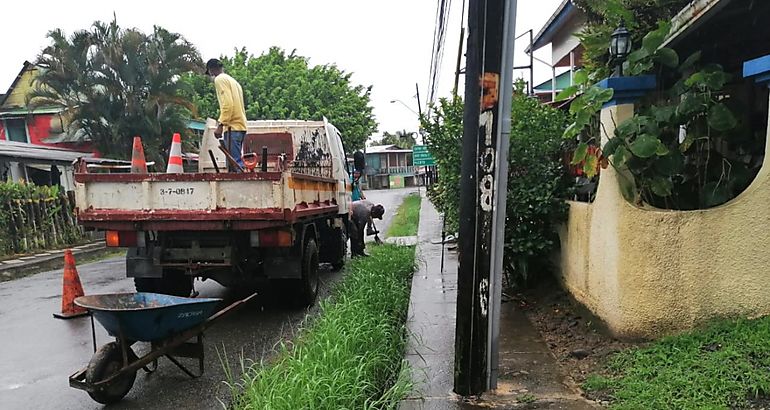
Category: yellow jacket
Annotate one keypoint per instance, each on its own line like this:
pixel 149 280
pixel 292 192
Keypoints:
pixel 232 113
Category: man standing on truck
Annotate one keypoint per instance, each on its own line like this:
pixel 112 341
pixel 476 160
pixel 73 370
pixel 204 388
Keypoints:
pixel 362 214
pixel 232 112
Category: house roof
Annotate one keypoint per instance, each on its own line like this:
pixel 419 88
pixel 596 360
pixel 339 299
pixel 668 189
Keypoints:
pixel 15 82
pixel 562 14
pixel 44 154
pixel 381 149
pixel 563 81
pixel 691 17
pixel 20 112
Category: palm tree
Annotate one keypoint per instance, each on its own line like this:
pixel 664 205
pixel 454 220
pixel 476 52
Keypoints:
pixel 117 83
pixel 405 139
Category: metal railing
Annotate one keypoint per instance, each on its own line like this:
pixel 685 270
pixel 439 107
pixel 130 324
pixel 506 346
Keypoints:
pixel 405 170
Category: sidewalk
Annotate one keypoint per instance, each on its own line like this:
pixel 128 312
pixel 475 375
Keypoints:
pixel 15 268
pixel 431 319
pixel 530 376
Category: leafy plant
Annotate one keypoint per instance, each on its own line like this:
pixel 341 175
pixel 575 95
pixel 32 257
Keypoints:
pixel 117 83
pixel 673 147
pixel 443 132
pixel 277 85
pixel 536 187
pixel 403 139
pixel 536 184
pixel 604 16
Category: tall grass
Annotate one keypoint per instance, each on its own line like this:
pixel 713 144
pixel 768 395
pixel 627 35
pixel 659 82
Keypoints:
pixel 407 217
pixel 350 356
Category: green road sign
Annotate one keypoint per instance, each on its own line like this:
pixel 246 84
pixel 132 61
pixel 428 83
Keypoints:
pixel 421 157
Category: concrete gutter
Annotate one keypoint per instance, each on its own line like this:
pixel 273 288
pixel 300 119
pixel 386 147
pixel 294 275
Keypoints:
pixel 27 265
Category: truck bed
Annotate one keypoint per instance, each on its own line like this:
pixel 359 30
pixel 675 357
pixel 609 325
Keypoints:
pixel 202 201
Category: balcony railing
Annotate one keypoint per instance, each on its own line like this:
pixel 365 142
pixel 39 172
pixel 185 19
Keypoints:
pixel 406 170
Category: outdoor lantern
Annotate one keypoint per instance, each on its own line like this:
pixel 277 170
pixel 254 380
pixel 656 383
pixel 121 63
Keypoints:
pixel 620 45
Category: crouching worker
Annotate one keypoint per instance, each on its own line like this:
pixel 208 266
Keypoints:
pixel 362 214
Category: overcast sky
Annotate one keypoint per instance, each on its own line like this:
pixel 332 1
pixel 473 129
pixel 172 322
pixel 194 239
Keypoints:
pixel 386 44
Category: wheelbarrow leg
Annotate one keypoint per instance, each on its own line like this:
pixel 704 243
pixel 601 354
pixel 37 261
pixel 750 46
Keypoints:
pixel 190 350
pixel 151 369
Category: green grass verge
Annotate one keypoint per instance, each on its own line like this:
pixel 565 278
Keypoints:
pixel 407 217
pixel 350 356
pixel 726 365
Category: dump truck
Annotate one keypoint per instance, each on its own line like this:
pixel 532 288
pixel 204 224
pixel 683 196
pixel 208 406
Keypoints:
pixel 276 221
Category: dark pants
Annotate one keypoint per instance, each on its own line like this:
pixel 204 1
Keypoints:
pixel 357 237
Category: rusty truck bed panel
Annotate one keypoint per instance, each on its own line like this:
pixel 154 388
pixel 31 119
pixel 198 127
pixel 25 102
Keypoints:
pixel 202 201
pixel 191 177
pixel 222 219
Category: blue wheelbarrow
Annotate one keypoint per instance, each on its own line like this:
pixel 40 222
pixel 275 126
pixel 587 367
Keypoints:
pixel 168 323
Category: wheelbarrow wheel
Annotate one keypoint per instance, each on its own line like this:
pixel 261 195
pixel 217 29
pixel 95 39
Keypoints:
pixel 107 361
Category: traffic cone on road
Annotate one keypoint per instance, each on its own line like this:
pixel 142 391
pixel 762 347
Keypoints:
pixel 175 156
pixel 138 164
pixel 71 289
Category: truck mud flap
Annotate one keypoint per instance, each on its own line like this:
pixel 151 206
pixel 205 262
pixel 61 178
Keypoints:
pixel 139 263
pixel 280 266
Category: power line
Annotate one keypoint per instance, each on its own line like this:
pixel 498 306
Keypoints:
pixel 443 8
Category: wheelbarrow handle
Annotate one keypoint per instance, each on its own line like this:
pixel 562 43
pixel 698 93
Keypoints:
pixel 228 309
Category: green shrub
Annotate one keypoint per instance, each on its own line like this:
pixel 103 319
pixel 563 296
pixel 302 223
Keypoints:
pixel 536 184
pixel 443 133
pixel 536 187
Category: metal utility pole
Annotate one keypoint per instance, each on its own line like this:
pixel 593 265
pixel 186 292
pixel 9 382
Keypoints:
pixel 486 129
pixel 419 105
pixel 459 59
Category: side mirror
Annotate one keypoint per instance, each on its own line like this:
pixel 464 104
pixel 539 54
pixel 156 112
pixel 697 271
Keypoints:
pixel 359 161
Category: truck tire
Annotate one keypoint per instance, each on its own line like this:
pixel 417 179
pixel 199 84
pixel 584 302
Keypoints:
pixel 174 282
pixel 308 286
pixel 342 234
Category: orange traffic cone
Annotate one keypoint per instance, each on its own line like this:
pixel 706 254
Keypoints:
pixel 175 156
pixel 138 164
pixel 70 290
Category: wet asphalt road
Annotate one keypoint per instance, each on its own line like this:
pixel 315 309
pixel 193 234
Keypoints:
pixel 38 352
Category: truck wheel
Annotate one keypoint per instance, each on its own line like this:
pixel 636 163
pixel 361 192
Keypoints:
pixel 343 246
pixel 107 361
pixel 309 282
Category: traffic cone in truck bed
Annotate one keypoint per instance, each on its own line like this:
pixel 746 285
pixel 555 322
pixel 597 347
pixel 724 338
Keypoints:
pixel 71 289
pixel 175 156
pixel 138 164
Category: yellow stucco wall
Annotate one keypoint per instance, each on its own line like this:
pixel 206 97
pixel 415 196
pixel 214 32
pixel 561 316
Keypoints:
pixel 649 272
